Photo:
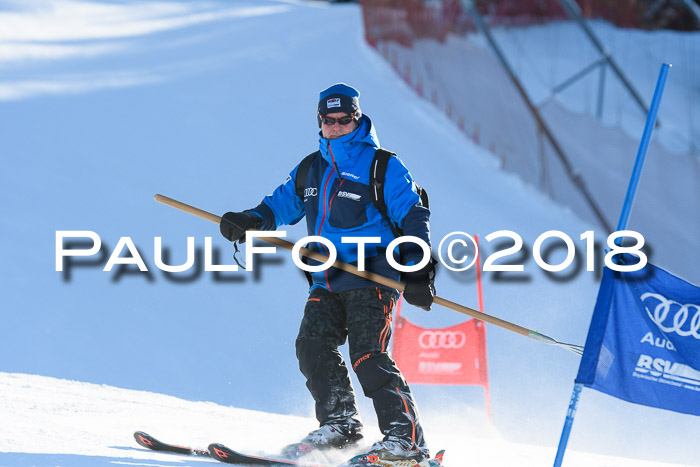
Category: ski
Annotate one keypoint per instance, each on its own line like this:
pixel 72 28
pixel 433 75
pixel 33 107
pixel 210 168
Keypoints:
pixel 229 456
pixel 148 441
pixel 216 451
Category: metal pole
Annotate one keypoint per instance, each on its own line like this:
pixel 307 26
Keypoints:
pixel 577 76
pixel 601 92
pixel 694 8
pixel 573 10
pixel 573 175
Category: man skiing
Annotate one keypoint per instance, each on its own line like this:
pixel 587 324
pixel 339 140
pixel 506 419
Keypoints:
pixel 337 201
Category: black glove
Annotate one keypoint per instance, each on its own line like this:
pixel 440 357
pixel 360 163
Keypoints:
pixel 233 225
pixel 420 286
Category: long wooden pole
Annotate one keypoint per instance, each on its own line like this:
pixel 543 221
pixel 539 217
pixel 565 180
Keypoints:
pixel 385 281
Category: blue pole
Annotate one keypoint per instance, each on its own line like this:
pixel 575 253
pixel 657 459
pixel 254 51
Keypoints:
pixel 621 225
pixel 643 146
pixel 570 414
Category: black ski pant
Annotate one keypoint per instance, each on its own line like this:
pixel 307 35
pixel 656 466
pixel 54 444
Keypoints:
pixel 363 316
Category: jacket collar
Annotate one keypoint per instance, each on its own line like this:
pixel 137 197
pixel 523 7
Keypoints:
pixel 351 145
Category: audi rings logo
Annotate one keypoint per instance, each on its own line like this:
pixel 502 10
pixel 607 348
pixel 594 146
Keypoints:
pixel 442 339
pixel 310 192
pixel 680 321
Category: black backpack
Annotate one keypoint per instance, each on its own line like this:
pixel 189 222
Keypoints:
pixel 376 181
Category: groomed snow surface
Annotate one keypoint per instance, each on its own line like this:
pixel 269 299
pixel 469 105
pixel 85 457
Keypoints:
pixel 106 103
pixel 83 424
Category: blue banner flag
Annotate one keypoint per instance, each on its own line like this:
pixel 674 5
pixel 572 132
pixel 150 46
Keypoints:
pixel 643 345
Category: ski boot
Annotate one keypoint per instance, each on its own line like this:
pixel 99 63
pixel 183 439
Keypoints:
pixel 330 436
pixel 395 453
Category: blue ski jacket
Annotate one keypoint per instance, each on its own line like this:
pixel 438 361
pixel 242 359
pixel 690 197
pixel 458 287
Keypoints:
pixel 338 203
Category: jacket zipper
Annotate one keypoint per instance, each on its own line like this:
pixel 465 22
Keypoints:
pixel 330 203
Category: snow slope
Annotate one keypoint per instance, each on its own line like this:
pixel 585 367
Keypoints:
pixel 105 104
pixel 83 424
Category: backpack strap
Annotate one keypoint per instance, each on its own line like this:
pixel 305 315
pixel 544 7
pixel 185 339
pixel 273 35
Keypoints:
pixel 377 176
pixel 302 172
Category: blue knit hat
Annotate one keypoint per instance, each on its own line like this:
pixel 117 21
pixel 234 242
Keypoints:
pixel 339 98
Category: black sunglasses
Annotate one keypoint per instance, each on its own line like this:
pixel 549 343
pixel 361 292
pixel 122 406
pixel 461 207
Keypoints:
pixel 341 121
